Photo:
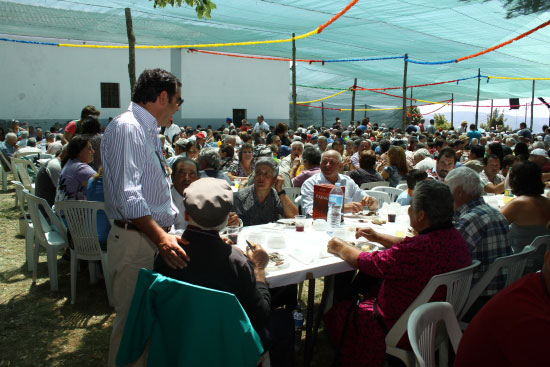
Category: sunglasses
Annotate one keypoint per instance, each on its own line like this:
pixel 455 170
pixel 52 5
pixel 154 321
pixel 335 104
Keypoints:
pixel 179 101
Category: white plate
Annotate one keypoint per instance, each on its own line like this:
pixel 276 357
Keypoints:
pixel 291 222
pixel 271 266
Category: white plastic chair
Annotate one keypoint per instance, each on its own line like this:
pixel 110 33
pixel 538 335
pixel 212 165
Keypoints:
pixel 382 197
pixel 5 168
pixel 23 176
pixel 81 217
pixel 393 192
pixel 513 263
pixel 535 260
pixel 29 227
pixel 53 237
pixel 293 192
pixel 402 187
pixel 370 185
pixel 457 283
pixel 422 328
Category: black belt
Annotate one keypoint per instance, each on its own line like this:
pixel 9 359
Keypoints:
pixel 132 227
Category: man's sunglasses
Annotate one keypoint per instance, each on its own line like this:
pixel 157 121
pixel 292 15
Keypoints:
pixel 179 101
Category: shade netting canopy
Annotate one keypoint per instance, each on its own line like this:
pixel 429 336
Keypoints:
pixel 425 30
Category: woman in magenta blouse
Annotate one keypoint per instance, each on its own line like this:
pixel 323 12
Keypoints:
pixel 403 270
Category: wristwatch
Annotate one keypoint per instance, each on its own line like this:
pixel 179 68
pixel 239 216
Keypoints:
pixel 281 192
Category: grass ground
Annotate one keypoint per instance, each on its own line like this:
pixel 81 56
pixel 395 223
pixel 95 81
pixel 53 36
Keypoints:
pixel 39 327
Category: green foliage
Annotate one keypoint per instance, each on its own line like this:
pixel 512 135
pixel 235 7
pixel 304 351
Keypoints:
pixel 496 120
pixel 441 122
pixel 202 7
pixel 413 115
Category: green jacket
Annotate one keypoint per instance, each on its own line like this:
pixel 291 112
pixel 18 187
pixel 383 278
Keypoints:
pixel 186 325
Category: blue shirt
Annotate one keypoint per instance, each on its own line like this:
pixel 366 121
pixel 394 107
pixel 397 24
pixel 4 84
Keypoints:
pixel 135 178
pixel 404 198
pixel 473 134
pixel 7 149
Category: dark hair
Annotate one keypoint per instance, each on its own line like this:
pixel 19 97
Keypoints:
pixel 496 149
pixel 384 145
pixel 436 200
pixel 182 160
pixel 76 145
pixel 243 147
pixel 526 179
pixel 367 159
pixel 281 128
pixel 312 156
pixel 337 142
pixel 90 125
pixel 89 110
pixel 415 176
pixel 191 143
pixel 151 83
pixel 478 150
pixel 447 152
pixel 439 142
pixel 227 149
pixel 521 150
pixel 508 160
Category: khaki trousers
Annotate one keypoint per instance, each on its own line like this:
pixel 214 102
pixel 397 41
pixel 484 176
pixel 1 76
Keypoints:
pixel 128 251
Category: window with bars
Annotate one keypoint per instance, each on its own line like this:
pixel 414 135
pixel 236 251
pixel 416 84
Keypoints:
pixel 110 95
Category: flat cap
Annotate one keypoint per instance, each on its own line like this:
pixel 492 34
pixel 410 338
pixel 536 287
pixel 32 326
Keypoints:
pixel 208 201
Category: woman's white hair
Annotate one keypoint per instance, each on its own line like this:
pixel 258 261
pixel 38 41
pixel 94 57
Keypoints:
pixel 466 178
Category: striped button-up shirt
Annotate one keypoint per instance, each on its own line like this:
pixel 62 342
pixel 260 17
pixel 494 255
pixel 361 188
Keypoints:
pixel 135 179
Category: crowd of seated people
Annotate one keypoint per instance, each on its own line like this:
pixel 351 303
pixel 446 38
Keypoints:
pixel 448 173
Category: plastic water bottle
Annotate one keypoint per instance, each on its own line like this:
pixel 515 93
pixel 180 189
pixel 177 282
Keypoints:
pixel 298 316
pixel 335 203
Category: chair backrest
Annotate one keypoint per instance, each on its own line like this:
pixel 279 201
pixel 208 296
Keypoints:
pixel 37 206
pixel 222 326
pixel 299 203
pixel 392 191
pixel 536 259
pixel 382 197
pixel 5 162
pixel 293 192
pixel 422 327
pixel 402 187
pixel 457 283
pixel 513 263
pixel 14 170
pixel 20 198
pixel 81 217
pixel 21 166
pixel 370 185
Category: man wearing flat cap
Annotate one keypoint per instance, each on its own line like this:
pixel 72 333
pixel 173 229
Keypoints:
pixel 218 265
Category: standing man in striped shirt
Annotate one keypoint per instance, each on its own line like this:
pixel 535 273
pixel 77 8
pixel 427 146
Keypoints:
pixel 137 191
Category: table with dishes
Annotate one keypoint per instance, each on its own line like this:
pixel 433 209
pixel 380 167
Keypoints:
pixel 299 253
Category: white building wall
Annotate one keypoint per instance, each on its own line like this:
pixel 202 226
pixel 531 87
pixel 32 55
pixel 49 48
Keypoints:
pixel 47 84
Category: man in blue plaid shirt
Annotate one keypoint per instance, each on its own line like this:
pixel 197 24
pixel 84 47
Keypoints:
pixel 483 227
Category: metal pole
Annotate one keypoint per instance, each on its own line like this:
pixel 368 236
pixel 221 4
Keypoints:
pixel 491 115
pixel 411 104
pixel 477 99
pixel 404 111
pixel 452 109
pixel 294 116
pixel 365 111
pixel 322 114
pixel 353 100
pixel 532 103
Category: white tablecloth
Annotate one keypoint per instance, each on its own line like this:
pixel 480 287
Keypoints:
pixel 306 251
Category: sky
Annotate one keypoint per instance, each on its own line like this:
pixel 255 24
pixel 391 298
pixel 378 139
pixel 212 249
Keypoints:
pixel 541 113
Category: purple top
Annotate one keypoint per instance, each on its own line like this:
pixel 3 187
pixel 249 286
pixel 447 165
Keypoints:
pixel 72 176
pixel 302 177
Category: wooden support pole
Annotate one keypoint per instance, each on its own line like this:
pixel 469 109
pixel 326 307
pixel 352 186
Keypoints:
pixel 404 111
pixel 131 50
pixel 477 99
pixel 532 104
pixel 491 115
pixel 322 114
pixel 294 116
pixel 353 100
pixel 365 116
pixel 411 104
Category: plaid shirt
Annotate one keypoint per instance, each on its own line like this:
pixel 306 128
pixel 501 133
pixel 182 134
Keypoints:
pixel 485 230
pixel 432 173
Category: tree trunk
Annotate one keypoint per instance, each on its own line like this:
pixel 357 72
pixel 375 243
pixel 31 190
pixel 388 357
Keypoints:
pixel 131 50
